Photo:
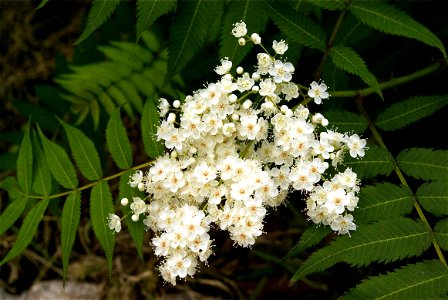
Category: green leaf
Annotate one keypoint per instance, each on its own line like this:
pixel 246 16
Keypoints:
pixel 348 60
pixel 42 175
pixel 424 280
pixel 410 110
pixel 296 26
pixel 101 206
pixel 383 201
pixel 377 161
pixel 27 230
pixel 386 241
pixel 441 234
pixel 70 220
pixel 42 4
pixel 136 229
pixel 346 121
pixel 149 11
pixel 310 237
pixel 150 122
pixel 256 19
pixel 16 206
pixel 25 163
pixel 389 19
pixel 60 165
pixel 118 142
pixel 426 164
pixel 433 196
pixel 189 31
pixel 84 152
pixel 100 11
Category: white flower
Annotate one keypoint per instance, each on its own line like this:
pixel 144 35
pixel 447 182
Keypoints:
pixel 225 66
pixel 267 87
pixel 343 224
pixel 138 206
pixel 136 179
pixel 114 222
pixel 256 39
pixel 318 92
pixel 164 107
pixel 281 72
pixel 356 146
pixel 280 47
pixel 239 29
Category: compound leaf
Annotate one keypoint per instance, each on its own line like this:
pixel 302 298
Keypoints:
pixel 377 161
pixel 118 142
pixel 150 121
pixel 433 196
pixel 25 163
pixel 423 163
pixel 346 121
pixel 150 10
pixel 70 220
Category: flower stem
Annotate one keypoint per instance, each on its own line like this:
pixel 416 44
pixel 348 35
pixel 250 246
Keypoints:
pixel 388 84
pixel 330 42
pixel 402 179
pixel 84 187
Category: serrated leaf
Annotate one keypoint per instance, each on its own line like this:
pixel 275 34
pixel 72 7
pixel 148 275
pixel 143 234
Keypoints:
pixel 346 121
pixel 95 112
pixel 16 206
pixel 424 280
pixel 441 234
pixel 383 201
pixel 71 214
pixel 348 60
pixel 132 95
pixel 433 196
pixel 149 11
pixel 400 114
pixel 423 163
pixel 310 237
pixel 389 19
pixel 150 122
pixel 60 165
pixel 245 11
pixel 296 26
pixel 25 163
pixel 120 99
pixel 42 4
pixel 189 31
pixel 377 161
pixel 385 241
pixel 118 142
pixel 84 152
pixel 136 229
pixel 100 11
pixel 101 205
pixel 42 175
pixel 27 230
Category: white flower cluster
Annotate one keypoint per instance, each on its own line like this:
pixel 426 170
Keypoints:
pixel 234 150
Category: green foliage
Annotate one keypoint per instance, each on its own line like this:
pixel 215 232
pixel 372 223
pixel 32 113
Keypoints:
pixel 101 10
pixel 383 201
pixel 388 19
pixel 347 59
pixel 297 27
pixel 16 206
pixel 150 10
pixel 441 233
pixel 426 164
pixel 42 182
pixel 60 165
pixel 432 281
pixel 385 241
pixel 27 230
pixel 433 197
pixel 346 121
pixel 71 214
pixel 84 152
pixel 130 74
pixel 310 237
pixel 25 163
pixel 400 114
pixel 101 206
pixel 190 31
pixel 377 161
pixel 117 141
